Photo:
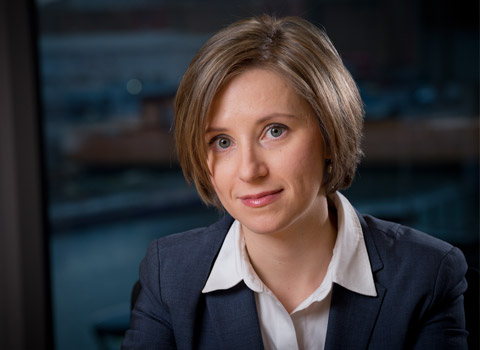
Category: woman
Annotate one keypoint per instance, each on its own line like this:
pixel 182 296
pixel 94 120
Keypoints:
pixel 268 126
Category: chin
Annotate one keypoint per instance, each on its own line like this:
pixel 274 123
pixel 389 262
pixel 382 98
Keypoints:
pixel 263 225
pixel 267 220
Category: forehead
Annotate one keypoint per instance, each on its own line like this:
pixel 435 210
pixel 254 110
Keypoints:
pixel 256 93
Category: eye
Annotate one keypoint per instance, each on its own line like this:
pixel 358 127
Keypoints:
pixel 220 143
pixel 275 131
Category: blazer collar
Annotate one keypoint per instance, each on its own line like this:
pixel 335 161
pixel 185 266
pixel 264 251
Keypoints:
pixel 353 316
pixel 233 311
pixel 235 317
pixel 375 260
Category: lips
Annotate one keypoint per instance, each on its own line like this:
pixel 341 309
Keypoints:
pixel 261 199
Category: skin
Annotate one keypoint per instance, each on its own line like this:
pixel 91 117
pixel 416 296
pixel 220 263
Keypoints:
pixel 266 157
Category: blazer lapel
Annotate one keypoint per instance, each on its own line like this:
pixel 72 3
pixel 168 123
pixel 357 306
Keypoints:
pixel 234 315
pixel 352 318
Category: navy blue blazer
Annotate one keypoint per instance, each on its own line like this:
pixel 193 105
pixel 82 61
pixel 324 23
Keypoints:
pixel 419 280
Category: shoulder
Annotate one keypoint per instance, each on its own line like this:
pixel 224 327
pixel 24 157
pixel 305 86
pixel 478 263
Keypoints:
pixel 178 265
pixel 410 256
pixel 423 280
pixel 388 235
pixel 188 245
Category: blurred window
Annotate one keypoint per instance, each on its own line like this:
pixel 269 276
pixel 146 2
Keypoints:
pixel 109 71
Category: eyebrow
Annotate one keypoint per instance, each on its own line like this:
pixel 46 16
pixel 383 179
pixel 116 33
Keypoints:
pixel 260 121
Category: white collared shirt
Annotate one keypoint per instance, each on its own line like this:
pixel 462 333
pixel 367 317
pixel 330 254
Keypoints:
pixel 306 326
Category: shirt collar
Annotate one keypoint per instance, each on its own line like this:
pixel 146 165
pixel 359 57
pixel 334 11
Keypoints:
pixel 233 265
pixel 227 270
pixel 349 267
pixel 350 263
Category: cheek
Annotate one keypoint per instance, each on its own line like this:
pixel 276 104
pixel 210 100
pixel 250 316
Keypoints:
pixel 220 175
pixel 211 168
pixel 305 162
pixel 307 153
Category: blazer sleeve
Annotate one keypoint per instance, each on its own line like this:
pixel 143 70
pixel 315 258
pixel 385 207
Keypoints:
pixel 443 323
pixel 150 325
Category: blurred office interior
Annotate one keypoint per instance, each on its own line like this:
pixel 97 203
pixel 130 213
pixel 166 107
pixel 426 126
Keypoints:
pixel 87 140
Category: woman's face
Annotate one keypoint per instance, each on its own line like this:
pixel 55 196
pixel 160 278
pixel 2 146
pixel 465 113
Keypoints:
pixel 265 153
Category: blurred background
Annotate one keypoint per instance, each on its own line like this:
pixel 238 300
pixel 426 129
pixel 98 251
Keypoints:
pixel 106 74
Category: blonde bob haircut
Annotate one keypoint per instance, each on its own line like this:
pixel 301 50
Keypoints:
pixel 304 57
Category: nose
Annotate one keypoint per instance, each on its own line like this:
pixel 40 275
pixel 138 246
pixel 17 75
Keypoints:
pixel 252 165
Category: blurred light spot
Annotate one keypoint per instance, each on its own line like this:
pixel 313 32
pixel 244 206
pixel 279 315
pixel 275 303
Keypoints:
pixel 134 86
pixel 426 95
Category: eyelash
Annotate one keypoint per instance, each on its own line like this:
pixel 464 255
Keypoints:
pixel 269 127
pixel 216 138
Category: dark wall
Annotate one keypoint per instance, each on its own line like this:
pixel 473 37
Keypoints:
pixel 24 297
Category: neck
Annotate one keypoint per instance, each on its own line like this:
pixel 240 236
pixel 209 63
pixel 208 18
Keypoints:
pixel 297 256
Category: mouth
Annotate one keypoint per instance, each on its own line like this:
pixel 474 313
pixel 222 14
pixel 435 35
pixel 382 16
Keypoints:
pixel 261 199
